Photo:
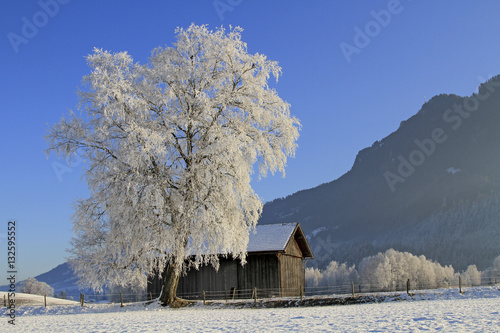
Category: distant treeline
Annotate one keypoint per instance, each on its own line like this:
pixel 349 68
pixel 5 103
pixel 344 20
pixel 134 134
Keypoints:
pixel 392 269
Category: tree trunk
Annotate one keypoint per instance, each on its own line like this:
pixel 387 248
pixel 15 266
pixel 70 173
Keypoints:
pixel 170 283
pixel 171 279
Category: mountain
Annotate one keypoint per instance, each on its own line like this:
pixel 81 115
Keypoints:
pixel 432 187
pixel 61 278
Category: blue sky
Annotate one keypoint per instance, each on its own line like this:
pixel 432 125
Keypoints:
pixel 345 100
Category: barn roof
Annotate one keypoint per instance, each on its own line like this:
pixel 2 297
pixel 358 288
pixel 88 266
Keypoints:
pixel 275 237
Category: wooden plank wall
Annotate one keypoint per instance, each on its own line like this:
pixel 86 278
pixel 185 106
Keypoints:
pixel 292 270
pixel 154 285
pixel 273 275
pixel 208 279
pixel 261 272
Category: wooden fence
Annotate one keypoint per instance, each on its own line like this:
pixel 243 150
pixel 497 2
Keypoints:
pixel 350 289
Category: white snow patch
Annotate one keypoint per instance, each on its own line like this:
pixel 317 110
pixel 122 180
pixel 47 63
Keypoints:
pixel 317 231
pixel 442 310
pixel 267 237
pixel 270 237
pixel 293 211
pixel 29 299
pixel 452 170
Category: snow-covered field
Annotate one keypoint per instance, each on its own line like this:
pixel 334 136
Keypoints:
pixel 478 310
pixel 34 300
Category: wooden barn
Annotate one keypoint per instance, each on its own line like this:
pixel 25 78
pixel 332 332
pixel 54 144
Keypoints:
pixel 276 256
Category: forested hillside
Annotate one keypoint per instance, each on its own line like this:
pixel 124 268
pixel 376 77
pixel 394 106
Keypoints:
pixel 431 187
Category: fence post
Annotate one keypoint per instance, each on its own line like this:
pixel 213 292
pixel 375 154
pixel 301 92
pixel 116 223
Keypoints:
pixel 45 300
pixel 4 301
pixel 460 283
pixel 121 299
pixel 151 296
pixel 352 285
pixel 300 292
pixel 359 289
pixel 255 294
pixel 83 299
pixel 408 286
pixel 204 300
pixel 225 295
pixel 234 292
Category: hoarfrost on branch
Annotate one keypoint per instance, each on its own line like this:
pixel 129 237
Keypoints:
pixel 170 147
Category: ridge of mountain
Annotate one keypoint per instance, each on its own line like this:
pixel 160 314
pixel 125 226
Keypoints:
pixel 442 161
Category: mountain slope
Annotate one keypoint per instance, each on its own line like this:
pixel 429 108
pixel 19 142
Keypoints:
pixel 442 162
pixel 61 278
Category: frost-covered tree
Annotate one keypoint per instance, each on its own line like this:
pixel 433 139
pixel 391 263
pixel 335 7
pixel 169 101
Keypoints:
pixel 334 275
pixel 35 287
pixel 495 271
pixel 472 276
pixel 170 147
pixel 62 295
pixel 313 277
pixel 390 270
pixel 492 274
pixel 496 263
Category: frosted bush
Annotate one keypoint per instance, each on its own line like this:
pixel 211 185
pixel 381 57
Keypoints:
pixel 32 286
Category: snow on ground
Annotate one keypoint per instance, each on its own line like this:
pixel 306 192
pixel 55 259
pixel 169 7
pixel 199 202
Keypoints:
pixel 478 310
pixel 34 300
